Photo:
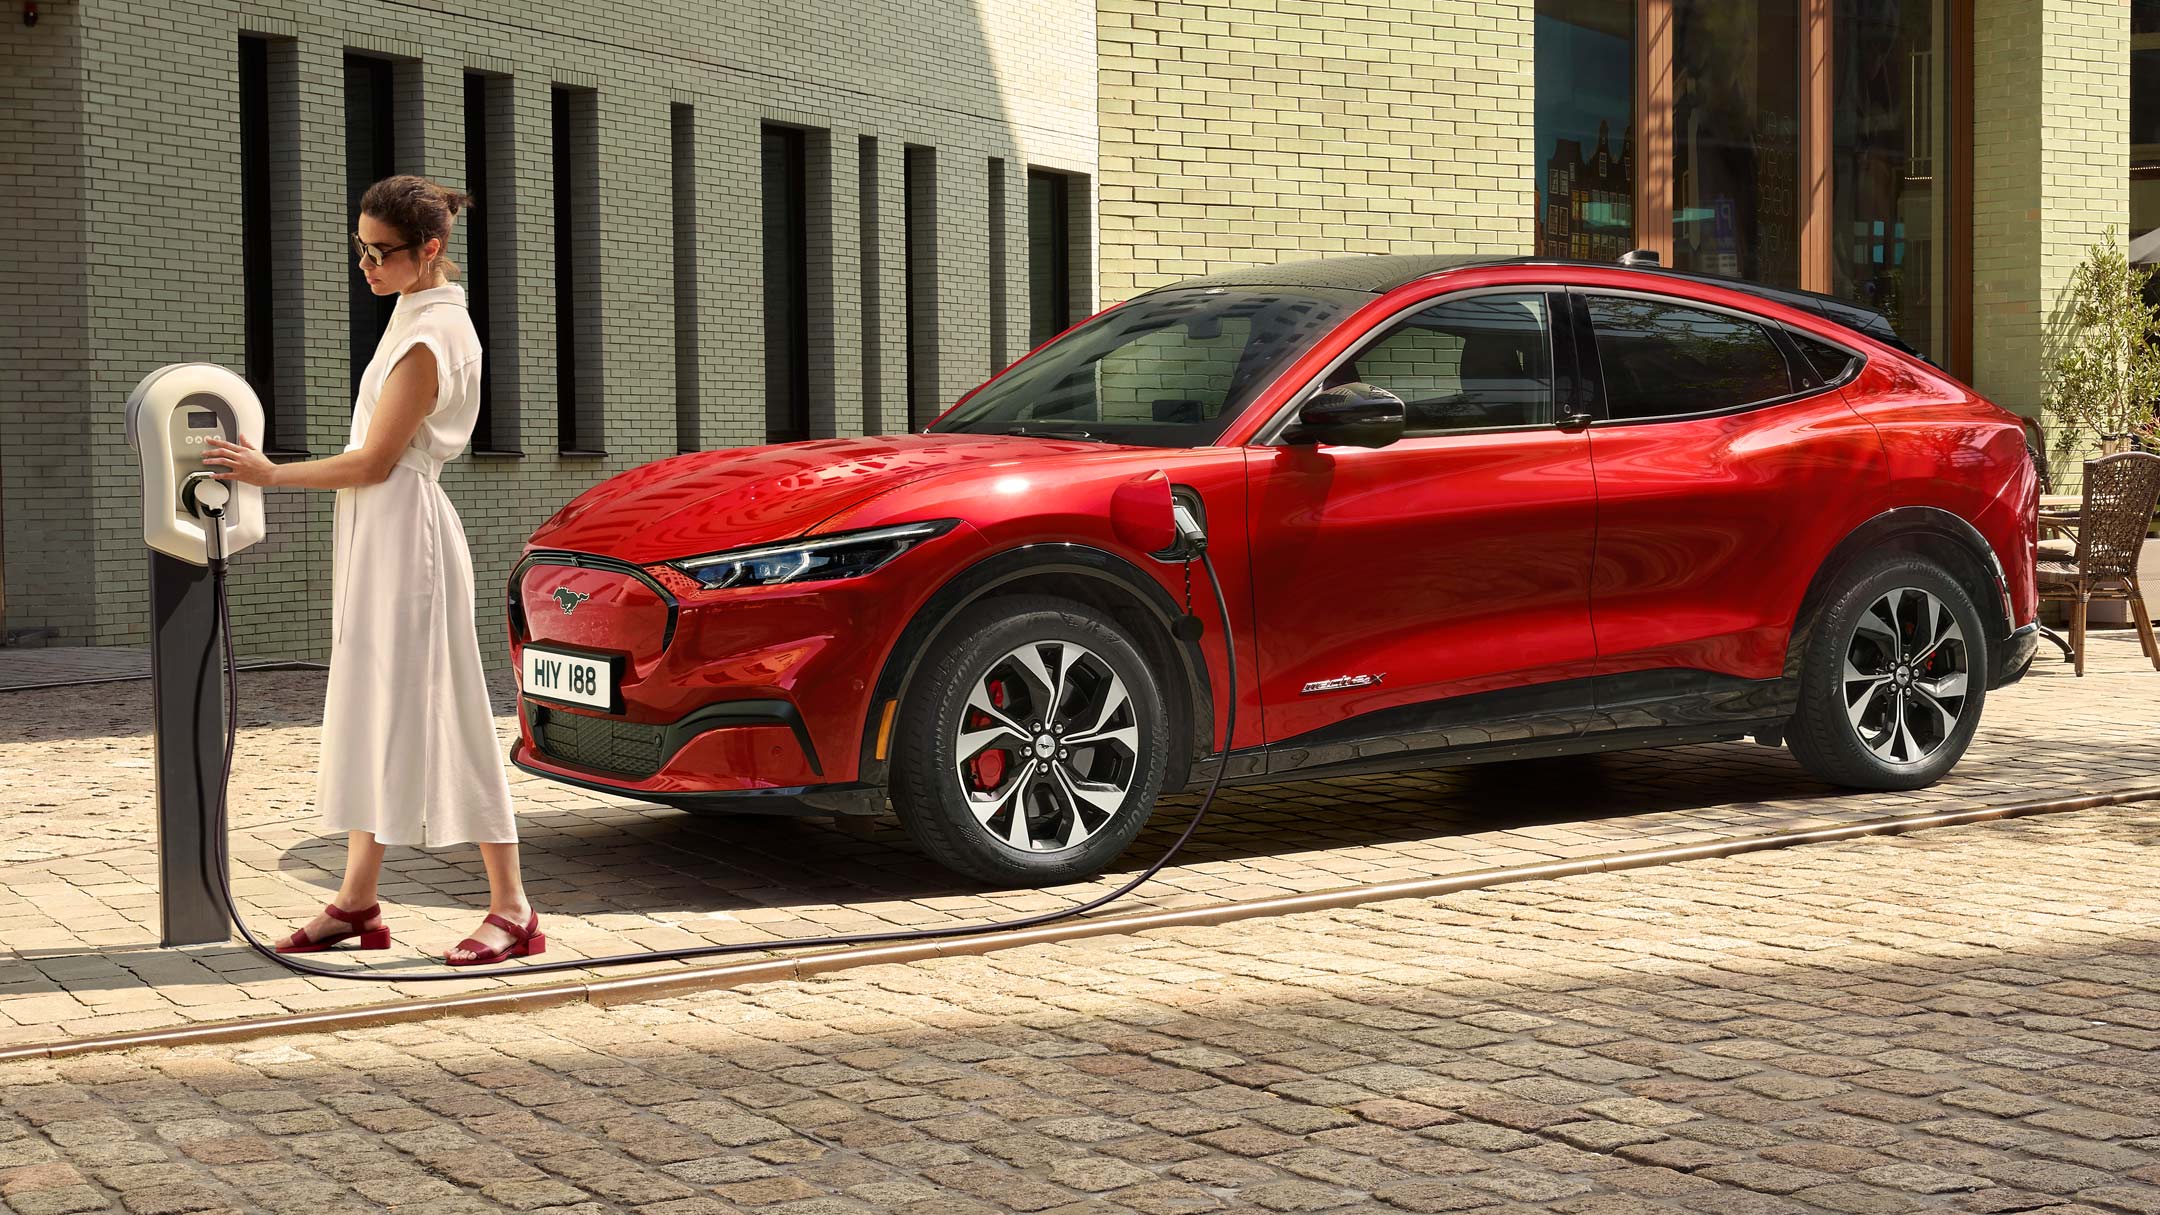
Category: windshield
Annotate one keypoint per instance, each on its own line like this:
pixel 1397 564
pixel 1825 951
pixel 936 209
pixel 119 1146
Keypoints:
pixel 1169 369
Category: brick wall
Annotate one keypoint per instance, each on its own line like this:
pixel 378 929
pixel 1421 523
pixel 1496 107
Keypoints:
pixel 44 429
pixel 1258 131
pixel 120 141
pixel 2051 173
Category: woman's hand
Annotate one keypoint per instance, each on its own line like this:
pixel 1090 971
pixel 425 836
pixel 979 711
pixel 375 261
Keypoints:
pixel 240 462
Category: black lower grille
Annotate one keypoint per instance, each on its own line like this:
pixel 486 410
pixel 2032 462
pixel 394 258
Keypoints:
pixel 626 747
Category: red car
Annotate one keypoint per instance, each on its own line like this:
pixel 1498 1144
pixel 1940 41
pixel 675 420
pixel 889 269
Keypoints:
pixel 1464 510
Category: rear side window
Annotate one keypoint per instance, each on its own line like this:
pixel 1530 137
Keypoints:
pixel 1666 360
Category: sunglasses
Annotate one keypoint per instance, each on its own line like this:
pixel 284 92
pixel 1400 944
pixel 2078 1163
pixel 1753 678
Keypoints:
pixel 376 255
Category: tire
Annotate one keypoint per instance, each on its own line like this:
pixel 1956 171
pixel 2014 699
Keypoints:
pixel 1870 717
pixel 1019 809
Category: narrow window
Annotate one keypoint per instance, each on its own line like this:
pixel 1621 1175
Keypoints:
pixel 485 98
pixel 258 300
pixel 870 261
pixel 787 285
pixel 999 355
pixel 1049 255
pixel 682 134
pixel 919 219
pixel 575 158
pixel 370 156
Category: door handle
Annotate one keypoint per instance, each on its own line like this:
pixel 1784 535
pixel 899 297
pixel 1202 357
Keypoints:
pixel 1572 422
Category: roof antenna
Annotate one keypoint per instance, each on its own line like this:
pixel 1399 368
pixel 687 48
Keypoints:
pixel 1639 257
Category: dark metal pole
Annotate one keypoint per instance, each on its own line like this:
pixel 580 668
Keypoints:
pixel 189 726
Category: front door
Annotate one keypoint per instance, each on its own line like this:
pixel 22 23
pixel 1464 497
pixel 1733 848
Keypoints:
pixel 1406 597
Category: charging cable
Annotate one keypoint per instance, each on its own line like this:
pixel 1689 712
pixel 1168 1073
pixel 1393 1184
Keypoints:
pixel 217 861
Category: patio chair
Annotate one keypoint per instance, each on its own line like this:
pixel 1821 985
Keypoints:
pixel 2120 493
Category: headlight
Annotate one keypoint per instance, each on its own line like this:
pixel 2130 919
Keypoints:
pixel 821 559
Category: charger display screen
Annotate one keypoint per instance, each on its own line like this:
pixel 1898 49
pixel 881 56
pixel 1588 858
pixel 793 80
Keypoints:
pixel 202 421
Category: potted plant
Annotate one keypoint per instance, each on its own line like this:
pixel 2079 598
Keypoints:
pixel 2107 371
pixel 2107 375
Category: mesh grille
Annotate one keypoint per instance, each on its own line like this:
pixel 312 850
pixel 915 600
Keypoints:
pixel 626 747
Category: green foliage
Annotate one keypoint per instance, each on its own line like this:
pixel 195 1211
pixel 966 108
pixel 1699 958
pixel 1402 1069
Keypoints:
pixel 2108 372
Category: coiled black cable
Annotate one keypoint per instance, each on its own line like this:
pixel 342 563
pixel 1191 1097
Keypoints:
pixel 217 861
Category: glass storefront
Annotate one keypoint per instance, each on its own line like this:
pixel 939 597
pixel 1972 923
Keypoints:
pixel 1586 128
pixel 1736 139
pixel 1889 163
pixel 1725 86
pixel 2145 130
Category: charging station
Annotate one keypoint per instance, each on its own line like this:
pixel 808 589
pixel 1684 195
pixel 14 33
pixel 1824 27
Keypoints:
pixel 170 416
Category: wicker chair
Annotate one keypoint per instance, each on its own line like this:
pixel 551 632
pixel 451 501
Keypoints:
pixel 2120 493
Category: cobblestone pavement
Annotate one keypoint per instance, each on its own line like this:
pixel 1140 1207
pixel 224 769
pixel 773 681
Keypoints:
pixel 1958 1020
pixel 78 911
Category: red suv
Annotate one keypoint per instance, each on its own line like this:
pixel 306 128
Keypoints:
pixel 1464 510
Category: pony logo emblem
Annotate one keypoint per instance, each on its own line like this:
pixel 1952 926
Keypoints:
pixel 569 599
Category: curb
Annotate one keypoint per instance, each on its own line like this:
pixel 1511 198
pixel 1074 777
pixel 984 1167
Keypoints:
pixel 633 988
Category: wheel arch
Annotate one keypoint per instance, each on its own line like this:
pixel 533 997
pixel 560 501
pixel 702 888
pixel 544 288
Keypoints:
pixel 1927 531
pixel 1082 573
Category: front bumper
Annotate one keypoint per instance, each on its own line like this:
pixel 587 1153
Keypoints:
pixel 849 798
pixel 752 698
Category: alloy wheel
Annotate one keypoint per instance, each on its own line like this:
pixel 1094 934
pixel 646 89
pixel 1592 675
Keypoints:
pixel 1906 670
pixel 1048 746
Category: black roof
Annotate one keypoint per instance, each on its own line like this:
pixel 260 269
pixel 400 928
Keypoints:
pixel 1379 273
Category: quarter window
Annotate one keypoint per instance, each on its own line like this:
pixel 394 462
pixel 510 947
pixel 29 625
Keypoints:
pixel 1466 363
pixel 1831 362
pixel 1664 360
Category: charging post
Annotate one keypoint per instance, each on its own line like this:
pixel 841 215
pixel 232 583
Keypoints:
pixel 170 416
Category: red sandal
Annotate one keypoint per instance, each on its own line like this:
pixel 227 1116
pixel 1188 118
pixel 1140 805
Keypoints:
pixel 370 938
pixel 524 943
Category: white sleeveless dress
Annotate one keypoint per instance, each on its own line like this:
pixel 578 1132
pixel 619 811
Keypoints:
pixel 409 750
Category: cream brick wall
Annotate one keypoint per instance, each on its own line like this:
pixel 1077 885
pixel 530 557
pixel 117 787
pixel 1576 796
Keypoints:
pixel 119 129
pixel 2051 172
pixel 1257 131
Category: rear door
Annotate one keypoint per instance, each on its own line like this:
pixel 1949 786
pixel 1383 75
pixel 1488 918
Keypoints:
pixel 1727 469
pixel 1400 593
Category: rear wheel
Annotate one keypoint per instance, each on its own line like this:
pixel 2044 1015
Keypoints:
pixel 1032 745
pixel 1894 677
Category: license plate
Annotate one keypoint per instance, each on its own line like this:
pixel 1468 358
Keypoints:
pixel 576 679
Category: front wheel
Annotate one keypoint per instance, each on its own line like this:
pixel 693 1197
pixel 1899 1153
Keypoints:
pixel 1033 744
pixel 1894 677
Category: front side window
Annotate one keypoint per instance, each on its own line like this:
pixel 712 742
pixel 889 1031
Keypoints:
pixel 1170 369
pixel 1668 360
pixel 1465 363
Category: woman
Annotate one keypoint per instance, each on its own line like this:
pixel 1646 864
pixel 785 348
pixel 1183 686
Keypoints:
pixel 409 749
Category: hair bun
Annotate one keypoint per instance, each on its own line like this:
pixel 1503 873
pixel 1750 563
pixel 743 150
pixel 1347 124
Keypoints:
pixel 455 201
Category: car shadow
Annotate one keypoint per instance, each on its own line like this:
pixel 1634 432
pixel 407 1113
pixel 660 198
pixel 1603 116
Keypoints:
pixel 646 859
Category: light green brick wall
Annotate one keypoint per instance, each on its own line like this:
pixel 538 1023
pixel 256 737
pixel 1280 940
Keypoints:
pixel 120 141
pixel 2051 172
pixel 1259 131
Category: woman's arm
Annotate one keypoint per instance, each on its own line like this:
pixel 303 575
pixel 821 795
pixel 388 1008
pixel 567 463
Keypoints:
pixel 408 393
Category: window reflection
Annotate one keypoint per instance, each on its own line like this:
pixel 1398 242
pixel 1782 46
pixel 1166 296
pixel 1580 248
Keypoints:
pixel 1890 163
pixel 1585 128
pixel 1736 138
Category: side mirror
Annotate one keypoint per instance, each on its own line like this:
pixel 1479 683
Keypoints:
pixel 1352 415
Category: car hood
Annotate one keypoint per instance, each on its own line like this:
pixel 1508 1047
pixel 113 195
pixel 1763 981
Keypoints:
pixel 712 500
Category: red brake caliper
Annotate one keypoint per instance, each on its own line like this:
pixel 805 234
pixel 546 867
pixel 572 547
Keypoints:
pixel 989 767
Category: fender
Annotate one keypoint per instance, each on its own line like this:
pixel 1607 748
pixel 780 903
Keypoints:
pixel 1002 569
pixel 1976 566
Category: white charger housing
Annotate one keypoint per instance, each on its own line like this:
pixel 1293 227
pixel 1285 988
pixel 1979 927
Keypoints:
pixel 170 417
